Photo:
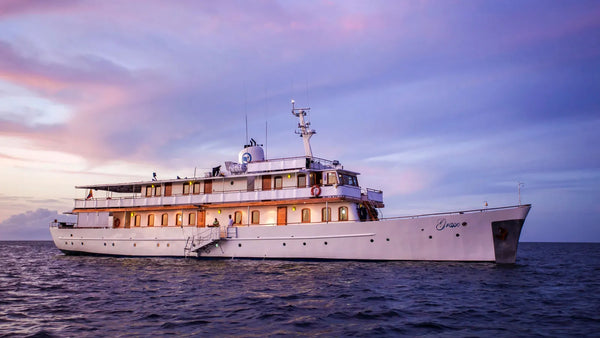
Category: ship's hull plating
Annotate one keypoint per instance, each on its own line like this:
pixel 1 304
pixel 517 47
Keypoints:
pixel 486 235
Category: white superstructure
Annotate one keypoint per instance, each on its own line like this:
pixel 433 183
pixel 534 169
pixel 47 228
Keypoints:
pixel 292 208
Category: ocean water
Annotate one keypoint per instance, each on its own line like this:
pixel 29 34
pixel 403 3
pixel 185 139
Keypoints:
pixel 553 290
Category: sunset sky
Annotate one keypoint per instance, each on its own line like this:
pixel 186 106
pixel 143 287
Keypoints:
pixel 443 105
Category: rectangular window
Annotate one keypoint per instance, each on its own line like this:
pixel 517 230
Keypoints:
pixel 148 191
pixel 157 190
pixel 164 220
pixel 278 182
pixel 178 219
pixel 255 217
pixel 192 219
pixel 137 220
pixel 326 215
pixel 331 178
pixel 196 188
pixel 186 188
pixel 301 181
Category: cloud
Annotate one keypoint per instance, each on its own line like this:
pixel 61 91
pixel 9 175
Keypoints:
pixel 30 225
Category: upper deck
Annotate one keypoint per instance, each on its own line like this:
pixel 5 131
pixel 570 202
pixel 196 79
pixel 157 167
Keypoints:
pixel 268 180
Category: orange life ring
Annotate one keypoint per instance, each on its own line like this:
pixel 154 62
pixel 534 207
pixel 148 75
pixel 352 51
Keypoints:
pixel 117 222
pixel 315 190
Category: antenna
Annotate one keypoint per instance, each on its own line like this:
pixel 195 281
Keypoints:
pixel 305 132
pixel 246 129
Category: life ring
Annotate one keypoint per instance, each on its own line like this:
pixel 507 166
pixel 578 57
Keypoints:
pixel 315 190
pixel 117 222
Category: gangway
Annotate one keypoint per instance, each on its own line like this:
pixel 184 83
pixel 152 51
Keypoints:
pixel 201 240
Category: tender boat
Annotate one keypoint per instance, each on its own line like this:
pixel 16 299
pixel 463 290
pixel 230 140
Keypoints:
pixel 283 208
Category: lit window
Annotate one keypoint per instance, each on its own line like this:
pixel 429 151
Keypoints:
pixel 151 220
pixel 164 220
pixel 278 182
pixel 343 214
pixel 192 219
pixel 326 215
pixel 237 218
pixel 331 178
pixel 178 219
pixel 301 181
pixel 255 217
pixel 137 220
pixel 306 215
pixel 149 191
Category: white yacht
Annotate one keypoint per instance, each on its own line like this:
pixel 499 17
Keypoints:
pixel 283 208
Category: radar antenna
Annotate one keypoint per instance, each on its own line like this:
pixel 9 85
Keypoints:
pixel 304 128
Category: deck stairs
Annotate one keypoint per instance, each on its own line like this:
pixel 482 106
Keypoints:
pixel 201 240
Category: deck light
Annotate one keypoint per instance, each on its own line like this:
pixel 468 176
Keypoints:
pixel 219 211
pixel 293 208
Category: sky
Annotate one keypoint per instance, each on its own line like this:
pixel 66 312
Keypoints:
pixel 443 105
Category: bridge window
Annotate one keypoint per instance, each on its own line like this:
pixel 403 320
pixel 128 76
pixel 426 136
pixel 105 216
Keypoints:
pixel 343 214
pixel 326 215
pixel 255 217
pixel 306 215
pixel 151 220
pixel 331 178
pixel 164 220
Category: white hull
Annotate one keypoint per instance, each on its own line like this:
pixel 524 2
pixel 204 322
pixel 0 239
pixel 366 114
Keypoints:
pixel 482 235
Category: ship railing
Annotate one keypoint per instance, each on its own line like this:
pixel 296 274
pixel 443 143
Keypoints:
pixel 461 212
pixel 62 225
pixel 229 196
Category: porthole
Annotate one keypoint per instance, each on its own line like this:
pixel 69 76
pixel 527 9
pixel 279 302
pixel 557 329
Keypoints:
pixel 231 183
pixel 372 240
pixel 457 235
pixel 81 243
pixel 157 245
pixel 71 235
pixel 66 243
pixel 422 229
pixel 134 244
pixel 284 244
pixel 430 237
pixel 168 245
pixel 387 239
pixel 303 243
pixel 104 244
pixel 239 245
pixel 464 224
pixel 113 244
pixel 71 243
pixel 325 243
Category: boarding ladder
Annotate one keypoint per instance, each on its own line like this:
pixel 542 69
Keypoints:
pixel 201 240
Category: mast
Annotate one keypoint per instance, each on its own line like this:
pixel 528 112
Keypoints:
pixel 304 128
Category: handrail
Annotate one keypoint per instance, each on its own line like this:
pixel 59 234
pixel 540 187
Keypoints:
pixel 456 212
